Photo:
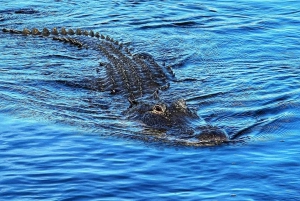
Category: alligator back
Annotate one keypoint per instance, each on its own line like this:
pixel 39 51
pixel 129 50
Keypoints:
pixel 133 75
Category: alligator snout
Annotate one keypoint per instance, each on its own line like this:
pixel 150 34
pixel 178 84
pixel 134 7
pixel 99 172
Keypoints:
pixel 211 135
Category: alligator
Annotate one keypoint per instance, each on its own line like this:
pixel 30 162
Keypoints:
pixel 140 79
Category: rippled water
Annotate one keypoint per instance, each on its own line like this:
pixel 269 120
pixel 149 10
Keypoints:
pixel 240 61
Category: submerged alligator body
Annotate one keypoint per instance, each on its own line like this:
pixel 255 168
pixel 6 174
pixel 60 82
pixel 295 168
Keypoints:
pixel 138 78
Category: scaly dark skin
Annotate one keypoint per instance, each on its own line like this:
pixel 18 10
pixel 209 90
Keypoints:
pixel 139 78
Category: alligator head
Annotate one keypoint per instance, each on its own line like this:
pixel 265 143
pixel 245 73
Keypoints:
pixel 177 119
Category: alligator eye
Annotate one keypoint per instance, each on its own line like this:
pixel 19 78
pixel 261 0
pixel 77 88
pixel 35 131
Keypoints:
pixel 158 109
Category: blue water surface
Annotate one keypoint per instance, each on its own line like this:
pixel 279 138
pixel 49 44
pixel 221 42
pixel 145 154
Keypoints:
pixel 240 60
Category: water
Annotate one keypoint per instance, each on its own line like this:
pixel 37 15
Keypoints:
pixel 60 142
